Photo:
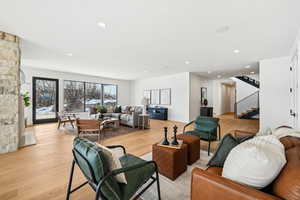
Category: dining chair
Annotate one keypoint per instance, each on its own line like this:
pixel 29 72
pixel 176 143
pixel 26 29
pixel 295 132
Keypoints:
pixel 89 127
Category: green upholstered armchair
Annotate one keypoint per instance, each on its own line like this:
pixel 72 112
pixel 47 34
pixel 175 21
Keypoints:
pixel 206 128
pixel 93 164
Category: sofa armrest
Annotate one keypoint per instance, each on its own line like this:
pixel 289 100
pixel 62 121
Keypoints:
pixel 208 186
pixel 239 133
pixel 135 118
pixel 116 115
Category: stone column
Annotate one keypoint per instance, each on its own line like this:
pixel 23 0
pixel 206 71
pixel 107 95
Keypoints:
pixel 9 92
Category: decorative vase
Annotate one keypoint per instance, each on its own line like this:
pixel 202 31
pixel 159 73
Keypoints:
pixel 175 142
pixel 166 142
pixel 205 102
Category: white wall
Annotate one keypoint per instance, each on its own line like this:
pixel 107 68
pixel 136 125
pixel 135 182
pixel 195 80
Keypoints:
pixel 196 82
pixel 274 92
pixel 295 61
pixel 124 86
pixel 297 44
pixel 217 94
pixel 195 96
pixel 179 84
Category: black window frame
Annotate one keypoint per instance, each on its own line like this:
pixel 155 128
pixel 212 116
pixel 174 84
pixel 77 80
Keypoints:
pixel 116 93
pixel 83 94
pixel 39 121
pixel 84 90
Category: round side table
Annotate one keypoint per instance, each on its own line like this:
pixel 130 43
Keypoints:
pixel 144 121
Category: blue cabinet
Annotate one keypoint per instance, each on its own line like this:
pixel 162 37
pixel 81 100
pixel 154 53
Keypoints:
pixel 158 113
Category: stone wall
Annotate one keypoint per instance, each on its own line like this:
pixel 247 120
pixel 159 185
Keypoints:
pixel 9 92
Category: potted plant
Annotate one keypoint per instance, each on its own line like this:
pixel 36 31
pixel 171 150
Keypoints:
pixel 26 100
pixel 101 109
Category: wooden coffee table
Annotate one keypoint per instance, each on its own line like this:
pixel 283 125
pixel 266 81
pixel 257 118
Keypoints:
pixel 114 121
pixel 171 162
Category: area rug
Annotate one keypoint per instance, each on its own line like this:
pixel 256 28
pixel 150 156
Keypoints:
pixel 181 187
pixel 107 133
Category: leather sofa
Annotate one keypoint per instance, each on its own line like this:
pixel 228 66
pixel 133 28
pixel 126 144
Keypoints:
pixel 210 185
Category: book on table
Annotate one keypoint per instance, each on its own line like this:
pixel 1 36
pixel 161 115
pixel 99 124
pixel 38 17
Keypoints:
pixel 180 142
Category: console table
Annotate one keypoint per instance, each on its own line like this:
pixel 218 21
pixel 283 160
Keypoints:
pixel 158 113
pixel 206 111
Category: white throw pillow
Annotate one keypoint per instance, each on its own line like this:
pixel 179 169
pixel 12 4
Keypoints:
pixel 114 162
pixel 255 162
pixel 284 131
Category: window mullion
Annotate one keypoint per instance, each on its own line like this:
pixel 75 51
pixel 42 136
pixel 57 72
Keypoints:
pixel 84 99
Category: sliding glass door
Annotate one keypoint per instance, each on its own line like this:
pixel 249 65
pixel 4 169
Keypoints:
pixel 45 100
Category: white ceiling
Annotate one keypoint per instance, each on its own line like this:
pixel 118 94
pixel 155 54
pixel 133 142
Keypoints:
pixel 149 38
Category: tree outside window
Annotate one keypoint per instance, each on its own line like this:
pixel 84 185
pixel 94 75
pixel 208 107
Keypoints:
pixel 82 96
pixel 73 96
pixel 109 95
pixel 93 95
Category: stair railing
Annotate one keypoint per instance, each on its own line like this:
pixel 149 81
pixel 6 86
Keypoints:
pixel 249 80
pixel 247 103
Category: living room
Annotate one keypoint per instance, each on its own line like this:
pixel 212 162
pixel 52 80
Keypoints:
pixel 149 100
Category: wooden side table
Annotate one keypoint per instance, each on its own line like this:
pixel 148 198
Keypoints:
pixel 193 143
pixel 143 121
pixel 171 162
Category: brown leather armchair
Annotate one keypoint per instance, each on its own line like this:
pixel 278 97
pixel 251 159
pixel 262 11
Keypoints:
pixel 210 185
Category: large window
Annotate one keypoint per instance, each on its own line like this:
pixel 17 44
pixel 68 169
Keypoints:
pixel 109 95
pixel 93 95
pixel 82 96
pixel 73 96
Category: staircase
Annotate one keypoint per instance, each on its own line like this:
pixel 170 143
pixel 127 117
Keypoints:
pixel 249 80
pixel 249 114
pixel 248 107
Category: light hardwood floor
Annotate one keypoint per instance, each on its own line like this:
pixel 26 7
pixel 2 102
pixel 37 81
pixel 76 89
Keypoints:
pixel 41 171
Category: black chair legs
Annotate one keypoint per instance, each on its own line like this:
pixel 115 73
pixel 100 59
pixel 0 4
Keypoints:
pixel 70 181
pixel 219 127
pixel 208 150
pixel 99 195
pixel 69 191
pixel 158 186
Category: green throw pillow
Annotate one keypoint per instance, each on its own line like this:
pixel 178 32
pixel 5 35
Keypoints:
pixel 118 109
pixel 227 143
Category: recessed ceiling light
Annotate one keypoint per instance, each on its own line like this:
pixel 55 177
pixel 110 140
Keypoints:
pixel 248 66
pixel 187 62
pixel 101 25
pixel 222 29
pixel 219 76
pixel 209 72
pixel 252 72
pixel 69 54
pixel 236 51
